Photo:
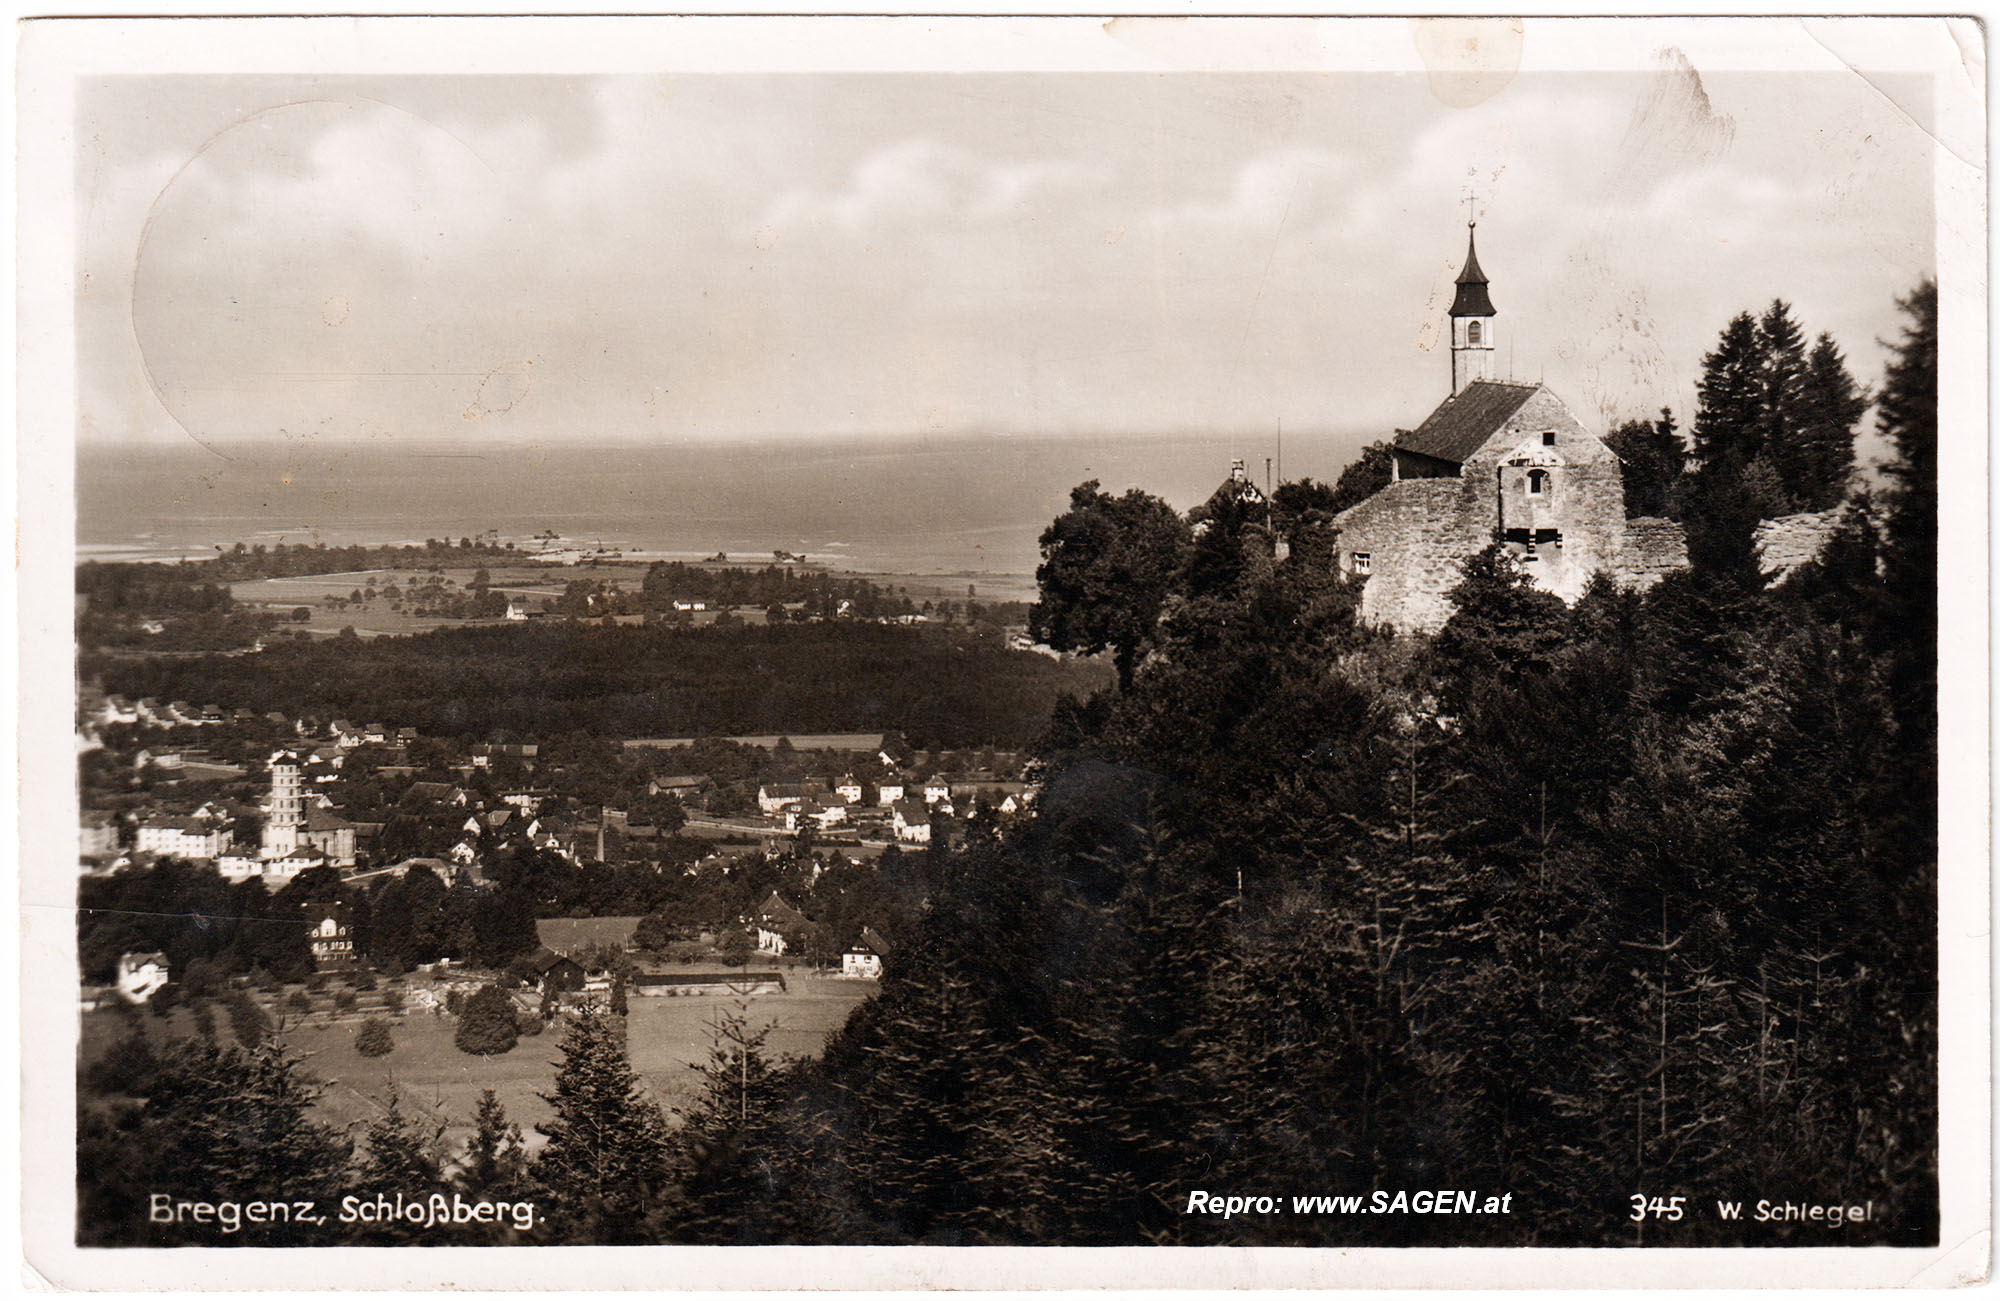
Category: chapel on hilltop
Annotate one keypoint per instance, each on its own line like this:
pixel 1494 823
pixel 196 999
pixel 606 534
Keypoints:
pixel 1500 461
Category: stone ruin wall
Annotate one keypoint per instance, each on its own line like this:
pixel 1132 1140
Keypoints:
pixel 1785 543
pixel 1416 532
pixel 1654 548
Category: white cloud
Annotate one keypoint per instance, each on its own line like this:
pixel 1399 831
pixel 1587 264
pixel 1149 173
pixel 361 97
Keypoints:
pixel 920 182
pixel 1306 183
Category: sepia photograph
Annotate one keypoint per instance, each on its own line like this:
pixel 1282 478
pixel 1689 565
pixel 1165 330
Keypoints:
pixel 1006 633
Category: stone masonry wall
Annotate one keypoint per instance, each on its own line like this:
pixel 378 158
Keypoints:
pixel 1585 500
pixel 1654 548
pixel 1785 543
pixel 1415 533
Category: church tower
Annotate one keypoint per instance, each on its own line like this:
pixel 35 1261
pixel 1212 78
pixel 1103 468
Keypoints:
pixel 285 814
pixel 1472 339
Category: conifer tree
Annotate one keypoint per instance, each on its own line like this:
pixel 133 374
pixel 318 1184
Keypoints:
pixel 399 1155
pixel 496 1163
pixel 730 1147
pixel 1908 417
pixel 1830 407
pixel 1729 419
pixel 247 1020
pixel 219 1124
pixel 1781 406
pixel 374 1039
pixel 604 1167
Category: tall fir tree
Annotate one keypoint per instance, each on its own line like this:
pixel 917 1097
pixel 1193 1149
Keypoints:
pixel 729 1150
pixel 1780 405
pixel 1831 404
pixel 495 1164
pixel 604 1168
pixel 1729 420
pixel 399 1157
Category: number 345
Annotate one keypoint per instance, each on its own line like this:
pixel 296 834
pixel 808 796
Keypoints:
pixel 1668 1208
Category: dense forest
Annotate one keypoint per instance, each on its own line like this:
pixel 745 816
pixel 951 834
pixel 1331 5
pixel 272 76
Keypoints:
pixel 294 559
pixel 952 688
pixel 1634 898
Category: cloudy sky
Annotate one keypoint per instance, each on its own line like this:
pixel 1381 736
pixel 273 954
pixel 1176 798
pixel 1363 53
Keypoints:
pixel 734 255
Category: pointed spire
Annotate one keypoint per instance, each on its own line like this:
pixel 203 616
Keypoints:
pixel 1472 299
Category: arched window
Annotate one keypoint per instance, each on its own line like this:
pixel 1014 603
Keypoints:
pixel 1472 331
pixel 1538 481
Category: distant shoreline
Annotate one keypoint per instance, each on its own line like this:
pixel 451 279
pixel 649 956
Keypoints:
pixel 563 558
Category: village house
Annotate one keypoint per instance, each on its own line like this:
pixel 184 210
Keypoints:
pixel 775 919
pixel 863 959
pixel 888 792
pixel 117 709
pixel 142 975
pixel 483 754
pixel 555 973
pixel 528 801
pixel 776 798
pixel 681 788
pixel 281 872
pixel 912 822
pixel 849 789
pixel 937 790
pixel 822 817
pixel 327 930
pixel 197 838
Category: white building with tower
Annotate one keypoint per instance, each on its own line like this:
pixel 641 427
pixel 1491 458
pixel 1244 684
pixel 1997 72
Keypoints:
pixel 284 811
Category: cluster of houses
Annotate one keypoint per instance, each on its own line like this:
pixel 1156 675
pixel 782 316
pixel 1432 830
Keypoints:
pixel 178 713
pixel 299 824
pixel 904 809
pixel 572 953
pixel 297 830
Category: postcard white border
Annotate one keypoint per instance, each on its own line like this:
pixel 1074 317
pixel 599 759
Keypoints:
pixel 53 54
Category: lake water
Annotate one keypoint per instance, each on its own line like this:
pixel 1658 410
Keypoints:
pixel 892 505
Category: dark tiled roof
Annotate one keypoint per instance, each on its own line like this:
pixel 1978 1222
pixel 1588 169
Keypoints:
pixel 319 819
pixel 542 959
pixel 1461 425
pixel 1472 299
pixel 779 909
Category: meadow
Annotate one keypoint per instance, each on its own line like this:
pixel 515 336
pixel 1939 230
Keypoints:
pixel 433 1079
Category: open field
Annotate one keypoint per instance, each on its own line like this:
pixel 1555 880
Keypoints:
pixel 377 618
pixel 433 1077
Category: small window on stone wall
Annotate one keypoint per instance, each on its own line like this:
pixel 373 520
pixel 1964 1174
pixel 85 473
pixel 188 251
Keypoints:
pixel 1538 482
pixel 1364 562
pixel 1548 438
pixel 1472 331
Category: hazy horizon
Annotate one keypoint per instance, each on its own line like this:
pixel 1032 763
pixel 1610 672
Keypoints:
pixel 868 503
